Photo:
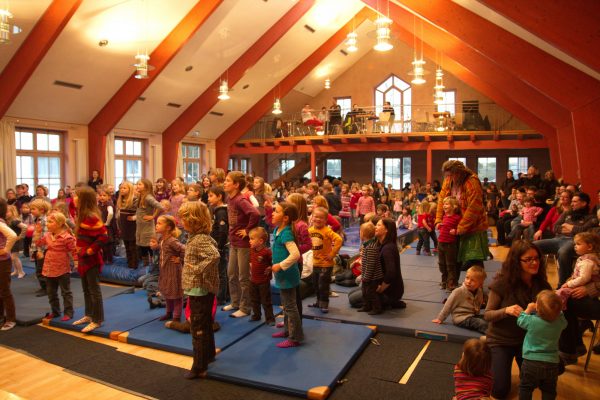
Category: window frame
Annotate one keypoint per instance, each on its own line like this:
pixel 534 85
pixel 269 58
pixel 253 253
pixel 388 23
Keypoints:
pixel 186 159
pixel 286 161
pixel 128 157
pixel 450 107
pixel 402 111
pixel 403 163
pixel 327 167
pixel 482 176
pixel 517 170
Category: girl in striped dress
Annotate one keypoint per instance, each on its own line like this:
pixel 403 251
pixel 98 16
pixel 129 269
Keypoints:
pixel 472 374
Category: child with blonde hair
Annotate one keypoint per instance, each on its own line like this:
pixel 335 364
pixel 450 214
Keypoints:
pixel 448 245
pixel 260 275
pixel 144 218
pixel 371 271
pixel 60 243
pixel 39 210
pixel 472 375
pixel 13 221
pixel 423 228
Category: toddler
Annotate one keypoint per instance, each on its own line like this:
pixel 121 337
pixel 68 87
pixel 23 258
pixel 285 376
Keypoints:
pixel 543 321
pixel 405 220
pixel 472 374
pixel 526 227
pixel 39 209
pixel 260 275
pixel 424 229
pixel 371 271
pixel 448 245
pixel 465 302
pixel 587 267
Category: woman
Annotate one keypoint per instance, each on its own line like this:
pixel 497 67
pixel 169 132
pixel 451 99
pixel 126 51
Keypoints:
pixel 546 229
pixel 95 180
pixel 522 277
pixel 206 184
pixel 11 197
pixel 60 196
pixel 41 192
pixel 462 183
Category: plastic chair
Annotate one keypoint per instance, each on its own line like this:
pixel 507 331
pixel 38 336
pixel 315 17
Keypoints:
pixel 591 347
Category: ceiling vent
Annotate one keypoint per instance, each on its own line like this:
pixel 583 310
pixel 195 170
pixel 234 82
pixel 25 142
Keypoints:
pixel 344 52
pixel 309 28
pixel 141 98
pixel 68 85
pixel 246 86
pixel 174 105
pixel 215 113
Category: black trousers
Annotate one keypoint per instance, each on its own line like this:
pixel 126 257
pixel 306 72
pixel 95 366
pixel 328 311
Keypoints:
pixel 260 294
pixel 321 282
pixel 39 264
pixel 131 252
pixel 201 328
pixel 92 295
pixel 538 374
pixel 52 285
pixel 371 299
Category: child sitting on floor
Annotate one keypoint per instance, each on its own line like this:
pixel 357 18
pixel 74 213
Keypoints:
pixel 465 302
pixel 472 374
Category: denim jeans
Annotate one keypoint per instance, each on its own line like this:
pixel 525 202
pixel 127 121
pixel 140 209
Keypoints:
pixel 52 285
pixel 321 282
pixel 562 246
pixel 92 295
pixel 292 322
pixel 475 323
pixel 538 374
pixel 502 360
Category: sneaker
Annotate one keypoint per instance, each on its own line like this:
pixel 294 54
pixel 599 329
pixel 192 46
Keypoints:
pixel 40 293
pixel 238 314
pixel 21 275
pixel 324 310
pixel 84 320
pixel 279 325
pixel 230 307
pixel 280 334
pixel 90 327
pixel 66 318
pixel 8 326
pixel 288 343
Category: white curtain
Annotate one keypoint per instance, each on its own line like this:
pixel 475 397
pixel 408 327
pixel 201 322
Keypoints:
pixel 155 162
pixel 109 160
pixel 81 160
pixel 179 168
pixel 8 165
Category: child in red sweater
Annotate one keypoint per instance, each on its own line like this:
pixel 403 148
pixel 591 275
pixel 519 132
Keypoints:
pixel 260 275
pixel 448 245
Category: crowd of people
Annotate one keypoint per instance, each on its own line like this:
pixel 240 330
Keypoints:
pixel 219 242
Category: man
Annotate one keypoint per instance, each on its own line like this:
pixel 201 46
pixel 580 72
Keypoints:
pixel 566 227
pixel 506 188
pixel 22 195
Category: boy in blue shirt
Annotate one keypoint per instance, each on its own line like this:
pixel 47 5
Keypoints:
pixel 543 321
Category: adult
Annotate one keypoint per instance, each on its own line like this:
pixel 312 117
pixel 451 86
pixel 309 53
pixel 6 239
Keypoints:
pixel 60 196
pixel 95 180
pixel 506 188
pixel 41 192
pixel 546 229
pixel 566 227
pixel 532 178
pixel 380 194
pixel 11 196
pixel 387 117
pixel 463 184
pixel 522 277
pixel 335 118
pixel 549 183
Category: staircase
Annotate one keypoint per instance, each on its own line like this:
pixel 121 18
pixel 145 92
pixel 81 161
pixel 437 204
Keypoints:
pixel 299 170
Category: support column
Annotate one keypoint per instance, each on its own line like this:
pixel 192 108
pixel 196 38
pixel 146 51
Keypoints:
pixel 429 166
pixel 313 164
pixel 566 144
pixel 556 160
pixel 587 146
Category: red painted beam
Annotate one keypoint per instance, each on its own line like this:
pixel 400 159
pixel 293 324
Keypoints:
pixel 587 146
pixel 127 95
pixel 572 26
pixel 33 49
pixel 240 127
pixel 208 99
pixel 558 80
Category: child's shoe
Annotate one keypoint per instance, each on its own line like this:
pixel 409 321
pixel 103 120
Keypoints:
pixel 21 275
pixel 280 334
pixel 66 318
pixel 324 310
pixel 279 325
pixel 254 317
pixel 14 273
pixel 238 314
pixel 8 326
pixel 193 374
pixel 90 327
pixel 50 316
pixel 288 343
pixel 418 252
pixel 84 320
pixel 229 307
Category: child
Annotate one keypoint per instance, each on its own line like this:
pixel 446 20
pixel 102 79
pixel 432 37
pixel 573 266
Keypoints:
pixel 169 279
pixel 365 203
pixel 397 205
pixel 27 219
pixel 161 191
pixel 91 236
pixel 144 218
pixel 543 322
pixel 107 213
pixel 7 241
pixel 587 267
pixel 448 245
pixel 423 228
pixel 39 209
pixel 526 227
pixel 59 242
pixel 220 232
pixel 243 216
pixel 472 376
pixel 355 195
pixel 194 191
pixel 126 208
pixel 431 223
pixel 320 201
pixel 325 246
pixel 372 273
pixel 200 282
pixel 21 230
pixel 345 211
pixel 287 275
pixel 383 211
pixel 465 302
pixel 177 197
pixel 405 220
pixel 260 275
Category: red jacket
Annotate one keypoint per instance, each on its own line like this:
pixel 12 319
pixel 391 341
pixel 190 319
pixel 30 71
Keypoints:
pixel 91 236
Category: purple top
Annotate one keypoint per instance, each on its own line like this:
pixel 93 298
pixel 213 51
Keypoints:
pixel 242 215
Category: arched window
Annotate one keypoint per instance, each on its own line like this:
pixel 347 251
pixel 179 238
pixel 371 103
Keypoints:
pixel 398 93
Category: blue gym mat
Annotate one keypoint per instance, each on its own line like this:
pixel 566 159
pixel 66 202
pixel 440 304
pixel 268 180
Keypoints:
pixel 414 320
pixel 311 370
pixel 121 313
pixel 154 334
pixel 421 290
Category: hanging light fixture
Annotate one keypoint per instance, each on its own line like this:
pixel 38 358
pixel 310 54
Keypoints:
pixel 7 27
pixel 351 42
pixel 383 33
pixel 277 107
pixel 223 91
pixel 439 87
pixel 418 72
pixel 141 65
pixel 327 83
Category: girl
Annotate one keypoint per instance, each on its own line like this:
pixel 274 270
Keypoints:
pixel 200 282
pixel 220 233
pixel 247 191
pixel 61 196
pixel 365 203
pixel 7 241
pixel 587 267
pixel 423 228
pixel 405 220
pixel 345 211
pixel 260 194
pixel 27 219
pixel 144 218
pixel 448 245
pixel 59 242
pixel 205 186
pixel 171 254
pixel 126 209
pixel 355 195
pixel 287 276
pixel 161 192
pixel 177 199
pixel 91 236
pixel 107 213
pixel 21 230
pixel 472 376
pixel 397 205
pixel 39 209
pixel 383 211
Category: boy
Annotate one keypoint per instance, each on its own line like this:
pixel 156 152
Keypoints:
pixel 39 209
pixel 325 246
pixel 465 302
pixel 372 273
pixel 540 366
pixel 242 216
pixel 260 275
pixel 193 192
pixel 220 232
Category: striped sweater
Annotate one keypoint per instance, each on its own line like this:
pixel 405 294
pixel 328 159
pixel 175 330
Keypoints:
pixel 471 387
pixel 370 260
pixel 91 236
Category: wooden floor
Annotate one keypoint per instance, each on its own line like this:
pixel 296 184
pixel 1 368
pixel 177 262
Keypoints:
pixel 25 377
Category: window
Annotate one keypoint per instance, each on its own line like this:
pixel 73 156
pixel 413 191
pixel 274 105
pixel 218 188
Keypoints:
pixel 39 159
pixel 394 171
pixel 486 168
pixel 285 166
pixel 129 159
pixel 191 154
pixel 345 104
pixel 244 165
pixel 518 165
pixel 449 103
pixel 399 94
pixel 231 164
pixel 461 159
pixel 333 167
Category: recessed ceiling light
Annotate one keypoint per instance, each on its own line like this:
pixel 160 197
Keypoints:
pixel 103 43
pixel 245 86
pixel 189 68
